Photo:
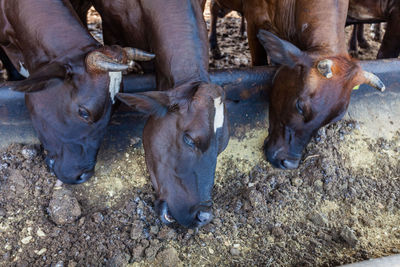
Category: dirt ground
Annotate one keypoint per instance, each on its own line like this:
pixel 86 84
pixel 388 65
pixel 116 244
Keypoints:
pixel 342 205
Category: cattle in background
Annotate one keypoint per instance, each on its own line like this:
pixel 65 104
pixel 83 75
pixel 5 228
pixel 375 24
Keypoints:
pixel 218 10
pixel 70 84
pixel 375 11
pixel 187 127
pixel 313 85
pixel 357 39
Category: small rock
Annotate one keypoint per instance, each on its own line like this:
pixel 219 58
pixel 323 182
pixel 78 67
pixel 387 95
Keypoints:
pixel 318 219
pixel 29 152
pixel 137 230
pixel 40 252
pixel 58 264
pixel 166 233
pixel 348 235
pixel 97 217
pixel 137 253
pixel 26 240
pixel 40 233
pixel 256 199
pixel 235 252
pixel 121 259
pixel 297 182
pixel 72 263
pixel 154 229
pixel 277 232
pixel 151 251
pixel 169 257
pixel 2 212
pixel 64 207
pixel 318 184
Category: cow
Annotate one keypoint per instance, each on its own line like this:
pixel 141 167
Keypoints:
pixel 70 80
pixel 218 10
pixel 357 39
pixel 313 85
pixel 375 11
pixel 187 126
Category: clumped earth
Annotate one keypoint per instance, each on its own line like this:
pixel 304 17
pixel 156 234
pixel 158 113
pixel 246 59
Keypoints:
pixel 342 205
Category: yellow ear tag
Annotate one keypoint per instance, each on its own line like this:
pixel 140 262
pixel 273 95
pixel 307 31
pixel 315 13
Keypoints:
pixel 356 87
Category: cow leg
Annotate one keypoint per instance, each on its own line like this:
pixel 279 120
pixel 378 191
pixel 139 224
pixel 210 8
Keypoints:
pixel 214 10
pixel 376 32
pixel 362 42
pixel 12 72
pixel 390 47
pixel 353 48
pixel 258 54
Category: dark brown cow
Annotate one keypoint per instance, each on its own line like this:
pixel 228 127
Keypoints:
pixel 187 127
pixel 372 11
pixel 218 10
pixel 313 85
pixel 357 39
pixel 71 80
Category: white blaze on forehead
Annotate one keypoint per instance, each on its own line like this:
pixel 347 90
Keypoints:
pixel 24 72
pixel 219 113
pixel 115 84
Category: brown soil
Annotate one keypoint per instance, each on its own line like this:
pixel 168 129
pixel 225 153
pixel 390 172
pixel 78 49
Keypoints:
pixel 342 205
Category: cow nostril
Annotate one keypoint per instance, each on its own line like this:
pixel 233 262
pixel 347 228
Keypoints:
pixel 84 177
pixel 50 163
pixel 204 217
pixel 290 164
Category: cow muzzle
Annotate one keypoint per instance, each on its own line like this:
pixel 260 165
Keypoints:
pixel 200 216
pixel 73 179
pixel 278 157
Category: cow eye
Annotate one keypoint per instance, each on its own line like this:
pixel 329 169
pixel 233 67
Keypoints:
pixel 188 140
pixel 299 107
pixel 84 113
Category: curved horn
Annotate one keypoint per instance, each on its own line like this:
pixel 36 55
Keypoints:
pixel 325 68
pixel 137 54
pixel 98 61
pixel 374 81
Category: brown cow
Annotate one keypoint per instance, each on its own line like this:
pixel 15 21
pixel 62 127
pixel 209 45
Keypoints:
pixel 71 80
pixel 313 85
pixel 372 11
pixel 187 127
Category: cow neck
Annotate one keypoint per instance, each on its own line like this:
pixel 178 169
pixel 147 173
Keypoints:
pixel 313 26
pixel 179 38
pixel 46 31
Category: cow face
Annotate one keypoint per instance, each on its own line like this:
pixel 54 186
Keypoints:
pixel 70 107
pixel 308 92
pixel 182 139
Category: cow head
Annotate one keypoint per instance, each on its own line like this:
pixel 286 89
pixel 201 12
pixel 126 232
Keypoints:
pixel 70 104
pixel 308 92
pixel 182 138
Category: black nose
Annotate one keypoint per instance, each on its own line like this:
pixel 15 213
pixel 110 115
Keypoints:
pixel 84 177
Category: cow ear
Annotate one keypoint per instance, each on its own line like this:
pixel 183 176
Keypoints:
pixel 153 103
pixel 40 79
pixel 281 51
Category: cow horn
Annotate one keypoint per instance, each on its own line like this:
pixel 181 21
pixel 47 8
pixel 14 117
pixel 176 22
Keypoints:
pixel 374 81
pixel 137 54
pixel 325 68
pixel 98 61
